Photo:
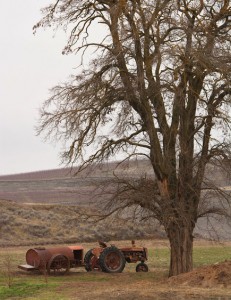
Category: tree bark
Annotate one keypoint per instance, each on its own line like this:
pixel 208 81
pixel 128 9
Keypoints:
pixel 181 243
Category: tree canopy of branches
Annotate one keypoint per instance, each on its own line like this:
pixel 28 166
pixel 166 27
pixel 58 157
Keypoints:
pixel 159 86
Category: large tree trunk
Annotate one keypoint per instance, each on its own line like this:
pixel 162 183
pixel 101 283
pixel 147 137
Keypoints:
pixel 181 243
pixel 179 222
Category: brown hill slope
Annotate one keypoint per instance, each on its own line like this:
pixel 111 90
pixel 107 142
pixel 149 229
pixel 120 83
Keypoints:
pixel 22 224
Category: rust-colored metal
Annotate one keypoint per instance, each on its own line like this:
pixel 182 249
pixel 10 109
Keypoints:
pixel 58 265
pixel 95 263
pixel 131 254
pixel 96 251
pixel 135 254
pixel 61 259
pixel 40 257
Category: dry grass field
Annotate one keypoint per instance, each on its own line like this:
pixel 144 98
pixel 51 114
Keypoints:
pixel 209 280
pixel 26 224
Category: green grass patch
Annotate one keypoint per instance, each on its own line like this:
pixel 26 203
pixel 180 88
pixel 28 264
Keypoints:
pixel 210 255
pixel 160 257
pixel 80 277
pixel 21 290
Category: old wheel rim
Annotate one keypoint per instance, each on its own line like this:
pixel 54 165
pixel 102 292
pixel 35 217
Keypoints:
pixel 59 266
pixel 113 260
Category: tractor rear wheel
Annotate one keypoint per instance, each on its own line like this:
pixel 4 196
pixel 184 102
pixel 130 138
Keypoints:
pixel 112 260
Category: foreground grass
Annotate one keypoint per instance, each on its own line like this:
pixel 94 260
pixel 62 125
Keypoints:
pixel 128 285
pixel 22 290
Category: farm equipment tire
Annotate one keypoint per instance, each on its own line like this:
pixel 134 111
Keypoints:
pixel 58 265
pixel 112 260
pixel 90 261
pixel 141 267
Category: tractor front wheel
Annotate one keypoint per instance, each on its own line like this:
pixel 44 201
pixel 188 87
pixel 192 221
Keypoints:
pixel 112 260
pixel 141 267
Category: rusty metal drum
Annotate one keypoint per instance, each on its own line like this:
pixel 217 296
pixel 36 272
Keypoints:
pixel 39 257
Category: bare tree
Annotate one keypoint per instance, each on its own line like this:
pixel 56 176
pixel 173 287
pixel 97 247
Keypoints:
pixel 159 87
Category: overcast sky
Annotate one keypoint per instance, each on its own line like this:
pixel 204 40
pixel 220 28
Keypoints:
pixel 30 65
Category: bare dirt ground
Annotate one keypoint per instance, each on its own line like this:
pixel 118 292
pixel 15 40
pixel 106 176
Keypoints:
pixel 217 275
pixel 124 286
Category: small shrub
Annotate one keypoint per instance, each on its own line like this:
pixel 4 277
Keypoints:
pixel 27 214
pixel 5 219
pixel 7 270
pixel 7 229
pixel 38 231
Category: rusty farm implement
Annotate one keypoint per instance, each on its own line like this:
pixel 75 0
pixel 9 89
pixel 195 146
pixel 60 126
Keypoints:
pixel 109 259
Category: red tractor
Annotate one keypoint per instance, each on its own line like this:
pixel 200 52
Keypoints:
pixel 112 259
pixel 104 258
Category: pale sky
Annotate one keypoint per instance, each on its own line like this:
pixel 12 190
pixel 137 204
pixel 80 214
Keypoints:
pixel 30 65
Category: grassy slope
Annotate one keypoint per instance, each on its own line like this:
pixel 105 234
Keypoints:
pixel 22 224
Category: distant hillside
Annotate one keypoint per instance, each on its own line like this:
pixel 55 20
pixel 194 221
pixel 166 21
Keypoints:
pixel 40 175
pixel 66 185
pixel 96 170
